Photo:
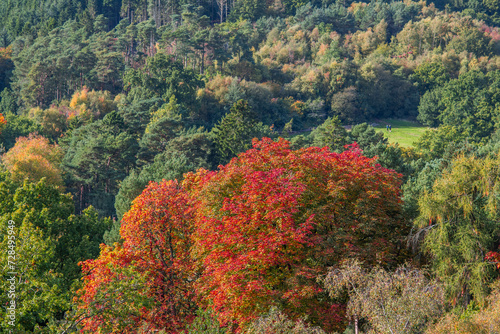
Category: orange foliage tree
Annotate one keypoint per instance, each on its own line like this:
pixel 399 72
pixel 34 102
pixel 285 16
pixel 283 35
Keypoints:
pixel 273 219
pixel 33 158
pixel 146 282
pixel 3 122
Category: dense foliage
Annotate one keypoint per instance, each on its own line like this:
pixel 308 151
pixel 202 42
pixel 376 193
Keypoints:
pixel 99 98
pixel 293 204
pixel 209 236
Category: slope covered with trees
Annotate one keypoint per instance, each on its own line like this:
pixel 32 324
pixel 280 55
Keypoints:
pixel 142 200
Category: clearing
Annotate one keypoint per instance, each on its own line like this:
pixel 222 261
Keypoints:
pixel 404 132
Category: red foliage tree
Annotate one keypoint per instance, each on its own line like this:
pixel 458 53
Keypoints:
pixel 273 219
pixel 146 283
pixel 255 234
pixel 493 257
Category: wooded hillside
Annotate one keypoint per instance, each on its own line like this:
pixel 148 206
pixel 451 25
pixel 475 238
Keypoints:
pixel 213 166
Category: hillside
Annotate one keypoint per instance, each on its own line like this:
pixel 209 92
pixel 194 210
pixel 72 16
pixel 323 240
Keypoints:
pixel 209 166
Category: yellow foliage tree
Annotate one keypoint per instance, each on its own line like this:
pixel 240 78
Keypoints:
pixel 52 120
pixel 484 321
pixel 91 105
pixel 33 158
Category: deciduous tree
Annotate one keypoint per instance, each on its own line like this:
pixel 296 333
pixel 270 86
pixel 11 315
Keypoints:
pixel 459 218
pixel 399 302
pixel 273 219
pixel 33 158
pixel 147 282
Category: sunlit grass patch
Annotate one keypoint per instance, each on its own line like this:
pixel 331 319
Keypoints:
pixel 404 132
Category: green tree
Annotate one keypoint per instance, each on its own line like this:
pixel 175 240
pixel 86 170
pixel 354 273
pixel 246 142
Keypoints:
pixel 468 103
pixel 17 126
pixel 186 153
pixel 166 123
pixel 39 294
pixel 366 136
pixel 459 222
pixel 234 133
pixel 80 237
pixel 205 323
pixel 429 76
pixel 49 243
pixel 162 77
pixel 331 133
pixel 8 103
pixel 6 66
pixel 98 156
pixel 109 64
pixel 434 142
pixel 419 184
pixel 431 106
pixel 248 10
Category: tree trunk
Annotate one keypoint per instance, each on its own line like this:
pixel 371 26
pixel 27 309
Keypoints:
pixel 81 198
pixel 202 69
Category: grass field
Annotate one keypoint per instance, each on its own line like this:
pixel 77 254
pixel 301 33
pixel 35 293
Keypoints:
pixel 405 133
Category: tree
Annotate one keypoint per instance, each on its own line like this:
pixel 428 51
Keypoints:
pixel 234 133
pixel 92 105
pixel 399 302
pixel 273 219
pixel 431 106
pixel 485 320
pixel 205 323
pixel 162 77
pixel 52 67
pixel 419 183
pixel 434 142
pixel 52 121
pixel 50 241
pixel 33 158
pixel 292 5
pixel 276 322
pixel 98 156
pixel 331 134
pixel 467 103
pixel 185 153
pixel 3 122
pixel 113 295
pixel 6 66
pixel 165 124
pixel 109 64
pixel 147 282
pixel 80 237
pixel 459 222
pixel 17 126
pixel 39 295
pixel 429 76
pixel 8 103
pixel 366 136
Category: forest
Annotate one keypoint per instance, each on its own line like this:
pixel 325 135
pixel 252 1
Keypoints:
pixel 213 166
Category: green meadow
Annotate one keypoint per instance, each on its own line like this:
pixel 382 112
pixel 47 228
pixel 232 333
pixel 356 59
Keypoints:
pixel 404 132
